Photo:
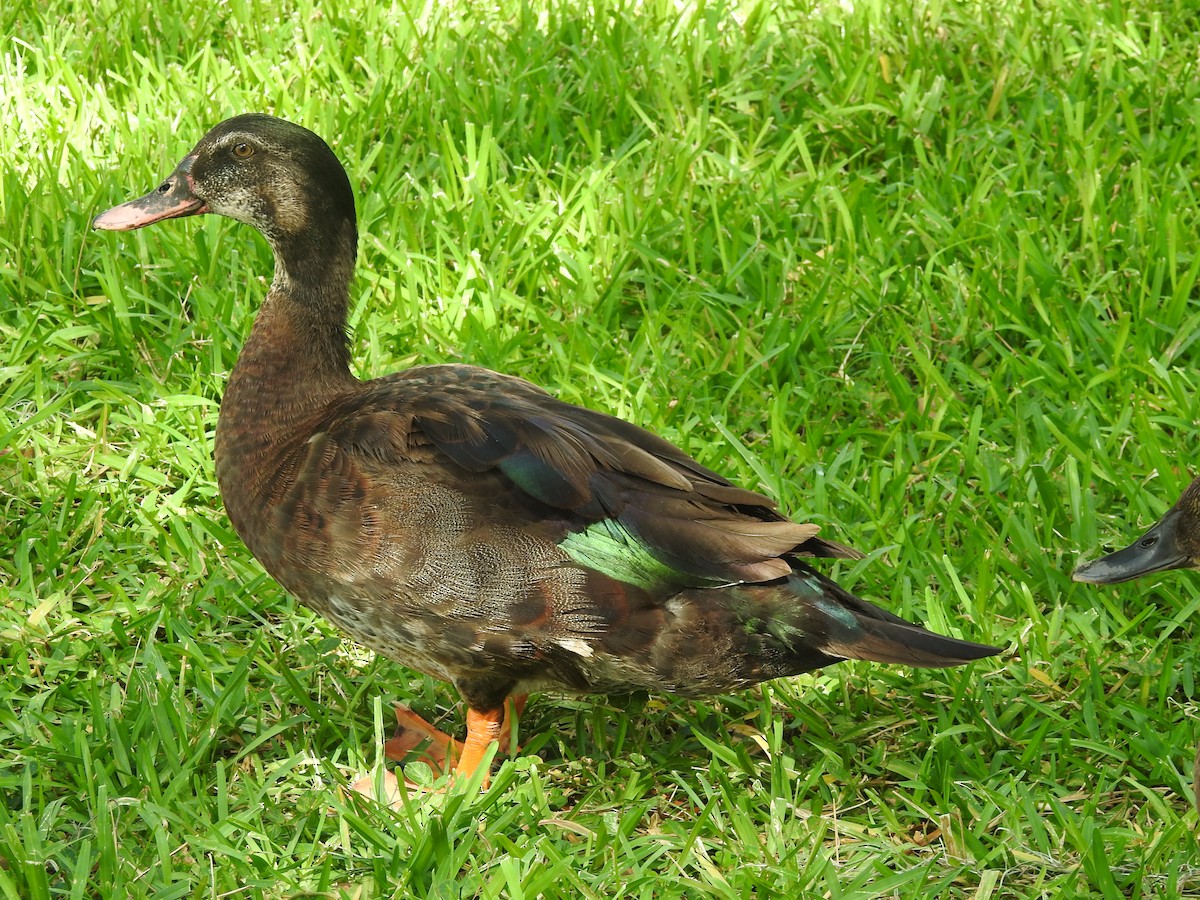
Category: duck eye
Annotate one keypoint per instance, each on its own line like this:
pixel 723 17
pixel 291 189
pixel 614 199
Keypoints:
pixel 243 150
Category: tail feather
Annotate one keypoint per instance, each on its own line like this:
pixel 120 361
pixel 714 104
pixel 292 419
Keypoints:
pixel 841 625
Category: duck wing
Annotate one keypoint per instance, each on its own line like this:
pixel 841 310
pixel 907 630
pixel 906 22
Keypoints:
pixel 594 467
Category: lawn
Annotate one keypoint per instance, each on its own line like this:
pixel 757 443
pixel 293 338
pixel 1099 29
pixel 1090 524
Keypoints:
pixel 924 271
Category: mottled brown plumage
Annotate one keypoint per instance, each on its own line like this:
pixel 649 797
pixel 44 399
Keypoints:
pixel 469 525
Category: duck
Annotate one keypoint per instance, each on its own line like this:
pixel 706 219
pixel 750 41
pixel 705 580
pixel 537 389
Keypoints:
pixel 1173 542
pixel 469 525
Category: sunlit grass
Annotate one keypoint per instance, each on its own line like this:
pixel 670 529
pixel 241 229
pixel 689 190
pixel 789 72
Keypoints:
pixel 925 272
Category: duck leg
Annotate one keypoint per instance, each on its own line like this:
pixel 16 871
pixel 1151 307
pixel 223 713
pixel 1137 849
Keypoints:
pixel 483 727
pixel 417 739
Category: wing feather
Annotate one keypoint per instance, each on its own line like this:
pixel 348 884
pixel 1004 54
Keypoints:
pixel 584 463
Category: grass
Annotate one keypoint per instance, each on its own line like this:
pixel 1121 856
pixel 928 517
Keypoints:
pixel 925 271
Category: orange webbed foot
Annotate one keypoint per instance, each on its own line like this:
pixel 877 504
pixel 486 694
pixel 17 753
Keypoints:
pixel 415 739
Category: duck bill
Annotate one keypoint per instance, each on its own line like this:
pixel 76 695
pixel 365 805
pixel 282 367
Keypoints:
pixel 1157 550
pixel 172 199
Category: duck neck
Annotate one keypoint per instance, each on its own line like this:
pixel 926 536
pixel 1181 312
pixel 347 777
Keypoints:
pixel 295 363
pixel 295 348
pixel 299 342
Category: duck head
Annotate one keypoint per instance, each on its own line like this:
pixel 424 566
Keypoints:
pixel 271 174
pixel 1173 542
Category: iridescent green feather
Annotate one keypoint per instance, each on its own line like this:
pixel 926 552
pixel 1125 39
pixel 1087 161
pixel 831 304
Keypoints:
pixel 609 547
